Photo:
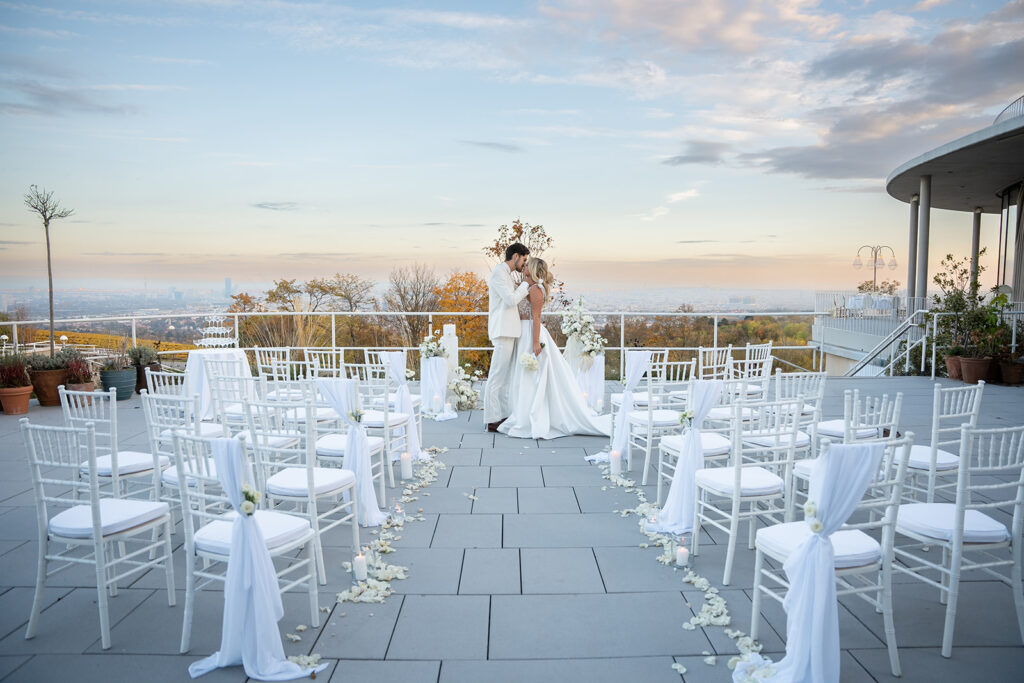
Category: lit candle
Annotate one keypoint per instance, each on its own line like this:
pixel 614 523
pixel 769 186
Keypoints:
pixel 600 403
pixel 616 461
pixel 682 556
pixel 406 466
pixel 585 396
pixel 359 567
pixel 437 403
pixel 399 514
pixel 447 407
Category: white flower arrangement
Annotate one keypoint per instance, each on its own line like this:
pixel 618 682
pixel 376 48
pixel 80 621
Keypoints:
pixel 250 497
pixel 431 347
pixel 355 415
pixel 810 509
pixel 686 419
pixel 581 325
pixel 410 373
pixel 461 386
pixel 529 362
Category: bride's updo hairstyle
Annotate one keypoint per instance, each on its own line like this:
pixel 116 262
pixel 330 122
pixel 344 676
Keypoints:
pixel 538 269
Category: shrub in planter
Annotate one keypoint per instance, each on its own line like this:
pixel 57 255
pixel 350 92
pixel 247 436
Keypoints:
pixel 15 384
pixel 118 373
pixel 47 373
pixel 79 375
pixel 143 357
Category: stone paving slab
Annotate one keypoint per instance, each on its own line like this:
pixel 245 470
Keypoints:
pixel 362 633
pixel 560 570
pixel 490 571
pixel 646 669
pixel 548 500
pixel 570 531
pixel 581 626
pixel 464 477
pixel 505 476
pixel 468 531
pixel 517 457
pixel 369 671
pixel 441 626
pixel 495 501
pixel 431 570
pixel 107 667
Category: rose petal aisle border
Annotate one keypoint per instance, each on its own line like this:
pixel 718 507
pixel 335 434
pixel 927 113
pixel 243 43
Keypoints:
pixel 380 574
pixel 714 611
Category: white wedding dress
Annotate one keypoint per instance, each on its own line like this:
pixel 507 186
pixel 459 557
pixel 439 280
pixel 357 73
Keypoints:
pixel 547 402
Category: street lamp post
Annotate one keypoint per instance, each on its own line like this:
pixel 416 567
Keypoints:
pixel 876 261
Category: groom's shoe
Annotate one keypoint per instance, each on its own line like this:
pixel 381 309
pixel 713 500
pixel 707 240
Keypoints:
pixel 493 426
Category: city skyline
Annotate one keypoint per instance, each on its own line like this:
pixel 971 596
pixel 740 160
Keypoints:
pixel 661 144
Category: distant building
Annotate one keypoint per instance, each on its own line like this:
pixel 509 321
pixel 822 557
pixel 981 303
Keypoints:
pixel 227 288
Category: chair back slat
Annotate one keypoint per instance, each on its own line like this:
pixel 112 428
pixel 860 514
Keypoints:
pixel 167 383
pixel 56 456
pixel 267 356
pixel 953 407
pixel 202 497
pixel 713 362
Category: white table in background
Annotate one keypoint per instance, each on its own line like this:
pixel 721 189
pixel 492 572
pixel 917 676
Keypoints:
pixel 199 383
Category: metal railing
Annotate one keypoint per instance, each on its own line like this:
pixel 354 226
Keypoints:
pixel 131 324
pixel 1012 111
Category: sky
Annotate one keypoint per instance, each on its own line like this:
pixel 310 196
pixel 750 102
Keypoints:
pixel 690 143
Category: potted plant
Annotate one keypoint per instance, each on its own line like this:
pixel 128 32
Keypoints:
pixel 143 357
pixel 953 357
pixel 47 373
pixel 117 372
pixel 80 377
pixel 1008 357
pixel 15 384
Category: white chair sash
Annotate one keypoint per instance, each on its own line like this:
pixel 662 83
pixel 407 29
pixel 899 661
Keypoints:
pixel 637 363
pixel 840 478
pixel 433 382
pixel 403 403
pixel 343 395
pixel 676 516
pixel 252 597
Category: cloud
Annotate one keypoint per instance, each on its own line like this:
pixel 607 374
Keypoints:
pixel 185 61
pixel 311 255
pixel 654 214
pixel 276 206
pixel 699 152
pixel 36 32
pixel 256 164
pixel 925 5
pixel 682 196
pixel 45 99
pixel 497 146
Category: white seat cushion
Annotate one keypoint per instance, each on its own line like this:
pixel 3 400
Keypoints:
pixel 921 457
pixel 661 418
pixel 852 547
pixel 754 481
pixel 640 398
pixel 292 481
pixel 725 413
pixel 333 445
pixel 802 469
pixel 205 429
pixel 759 438
pixel 277 528
pixel 116 514
pixel 936 520
pixel 835 429
pixel 272 439
pixel 393 400
pixel 375 418
pixel 170 476
pixel 712 443
pixel 128 462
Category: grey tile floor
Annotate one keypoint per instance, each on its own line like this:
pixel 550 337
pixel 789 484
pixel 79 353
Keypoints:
pixel 535 580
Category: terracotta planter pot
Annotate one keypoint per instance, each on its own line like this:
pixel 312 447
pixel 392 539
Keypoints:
pixel 140 376
pixel 1013 373
pixel 88 386
pixel 45 383
pixel 122 380
pixel 15 400
pixel 953 367
pixel 974 369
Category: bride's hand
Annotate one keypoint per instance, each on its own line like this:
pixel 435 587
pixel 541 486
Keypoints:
pixel 537 347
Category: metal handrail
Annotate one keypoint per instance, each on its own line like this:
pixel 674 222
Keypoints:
pixel 1012 111
pixel 891 339
pixel 717 318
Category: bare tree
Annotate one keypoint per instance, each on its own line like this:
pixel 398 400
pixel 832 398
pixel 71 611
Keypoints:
pixel 49 209
pixel 413 288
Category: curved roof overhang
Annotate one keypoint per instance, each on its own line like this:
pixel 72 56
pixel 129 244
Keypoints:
pixel 969 172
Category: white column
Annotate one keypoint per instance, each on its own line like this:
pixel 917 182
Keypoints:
pixel 912 255
pixel 975 242
pixel 924 220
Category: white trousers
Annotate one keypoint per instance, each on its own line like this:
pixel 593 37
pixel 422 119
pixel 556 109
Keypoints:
pixel 497 403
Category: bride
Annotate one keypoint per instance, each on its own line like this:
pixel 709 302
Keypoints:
pixel 546 400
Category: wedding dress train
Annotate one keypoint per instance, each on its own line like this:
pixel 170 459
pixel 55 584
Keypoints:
pixel 547 402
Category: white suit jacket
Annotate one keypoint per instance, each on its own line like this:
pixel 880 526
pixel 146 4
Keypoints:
pixel 503 298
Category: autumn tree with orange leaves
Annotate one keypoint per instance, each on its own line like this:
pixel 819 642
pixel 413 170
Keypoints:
pixel 464 291
pixel 537 240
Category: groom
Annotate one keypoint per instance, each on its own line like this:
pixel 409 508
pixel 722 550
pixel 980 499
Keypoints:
pixel 503 328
